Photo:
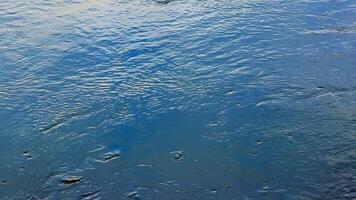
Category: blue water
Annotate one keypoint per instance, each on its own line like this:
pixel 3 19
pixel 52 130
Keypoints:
pixel 185 99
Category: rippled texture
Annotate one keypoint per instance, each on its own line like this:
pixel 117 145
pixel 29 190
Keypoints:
pixel 186 99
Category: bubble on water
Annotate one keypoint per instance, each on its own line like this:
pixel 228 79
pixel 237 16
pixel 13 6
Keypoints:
pixel 230 92
pixel 109 156
pixel 177 155
pixel 3 182
pixel 164 1
pixel 132 195
pixel 98 148
pixel 264 189
pixel 91 195
pixel 22 168
pixel 27 154
pixel 144 165
pixel 169 182
pixel 69 180
pixel 213 191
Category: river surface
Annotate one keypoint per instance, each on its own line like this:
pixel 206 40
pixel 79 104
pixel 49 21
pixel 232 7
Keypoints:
pixel 185 99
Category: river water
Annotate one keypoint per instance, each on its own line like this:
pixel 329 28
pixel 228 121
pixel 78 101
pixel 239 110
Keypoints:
pixel 185 99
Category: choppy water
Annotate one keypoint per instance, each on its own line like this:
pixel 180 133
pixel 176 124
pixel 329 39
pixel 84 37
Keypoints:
pixel 188 99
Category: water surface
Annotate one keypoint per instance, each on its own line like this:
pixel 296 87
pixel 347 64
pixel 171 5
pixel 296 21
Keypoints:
pixel 187 99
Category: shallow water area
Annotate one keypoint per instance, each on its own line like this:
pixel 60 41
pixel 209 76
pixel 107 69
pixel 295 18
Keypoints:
pixel 181 99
